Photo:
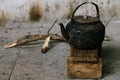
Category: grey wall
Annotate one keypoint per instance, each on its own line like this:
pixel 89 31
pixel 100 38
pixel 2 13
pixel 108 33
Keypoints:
pixel 52 9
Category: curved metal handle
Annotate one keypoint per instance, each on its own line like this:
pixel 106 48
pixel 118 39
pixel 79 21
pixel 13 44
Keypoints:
pixel 97 9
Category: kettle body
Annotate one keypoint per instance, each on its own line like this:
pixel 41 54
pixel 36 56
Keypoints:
pixel 84 33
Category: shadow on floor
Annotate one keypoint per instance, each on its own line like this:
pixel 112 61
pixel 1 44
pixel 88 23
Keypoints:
pixel 110 55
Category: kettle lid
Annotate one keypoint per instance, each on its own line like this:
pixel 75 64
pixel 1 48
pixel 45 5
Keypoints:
pixel 85 19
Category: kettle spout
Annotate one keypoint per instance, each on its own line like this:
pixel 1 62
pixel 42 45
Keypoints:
pixel 64 31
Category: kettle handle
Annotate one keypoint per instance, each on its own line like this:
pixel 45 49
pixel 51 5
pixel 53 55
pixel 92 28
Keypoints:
pixel 97 9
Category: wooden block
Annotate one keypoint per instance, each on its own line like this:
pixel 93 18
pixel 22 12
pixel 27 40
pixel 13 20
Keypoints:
pixel 83 59
pixel 84 69
pixel 84 55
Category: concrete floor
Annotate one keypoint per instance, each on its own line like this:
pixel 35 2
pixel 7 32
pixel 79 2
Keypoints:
pixel 28 63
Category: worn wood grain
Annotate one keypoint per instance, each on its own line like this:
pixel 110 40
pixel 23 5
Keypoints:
pixel 83 55
pixel 84 69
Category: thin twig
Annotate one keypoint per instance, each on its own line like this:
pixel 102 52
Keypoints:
pixel 45 45
pixel 107 38
pixel 31 38
pixel 51 26
pixel 110 20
